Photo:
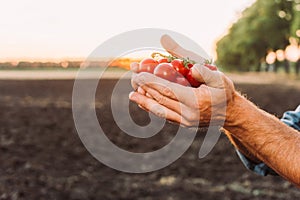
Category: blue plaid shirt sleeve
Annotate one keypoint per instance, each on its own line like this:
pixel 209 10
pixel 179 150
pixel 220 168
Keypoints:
pixel 292 119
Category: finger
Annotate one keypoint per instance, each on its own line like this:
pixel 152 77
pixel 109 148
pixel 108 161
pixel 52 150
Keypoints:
pixel 143 107
pixel 175 49
pixel 133 83
pixel 205 75
pixel 154 107
pixel 184 123
pixel 143 79
pixel 173 105
pixel 134 67
pixel 141 91
pixel 165 101
pixel 171 90
pixel 148 95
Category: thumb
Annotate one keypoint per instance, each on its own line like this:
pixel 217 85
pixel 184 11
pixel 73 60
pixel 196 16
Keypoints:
pixel 205 75
pixel 171 46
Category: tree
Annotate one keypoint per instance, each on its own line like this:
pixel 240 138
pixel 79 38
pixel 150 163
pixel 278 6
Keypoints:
pixel 295 29
pixel 295 25
pixel 263 26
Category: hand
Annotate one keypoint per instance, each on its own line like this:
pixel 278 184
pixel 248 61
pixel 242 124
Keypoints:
pixel 188 106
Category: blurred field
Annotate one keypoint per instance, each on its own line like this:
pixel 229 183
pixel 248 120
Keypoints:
pixel 43 158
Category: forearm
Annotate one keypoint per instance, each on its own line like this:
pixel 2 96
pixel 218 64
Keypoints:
pixel 265 137
pixel 239 146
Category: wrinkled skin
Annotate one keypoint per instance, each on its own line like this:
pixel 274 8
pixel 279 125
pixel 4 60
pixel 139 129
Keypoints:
pixel 185 105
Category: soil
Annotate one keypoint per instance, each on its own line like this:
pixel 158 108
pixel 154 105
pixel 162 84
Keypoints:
pixel 42 156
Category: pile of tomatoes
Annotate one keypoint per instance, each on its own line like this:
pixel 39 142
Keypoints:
pixel 173 69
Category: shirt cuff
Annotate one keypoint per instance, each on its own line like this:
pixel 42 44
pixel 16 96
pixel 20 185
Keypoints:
pixel 292 118
pixel 259 168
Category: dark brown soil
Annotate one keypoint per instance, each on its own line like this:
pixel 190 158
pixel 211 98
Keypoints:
pixel 41 156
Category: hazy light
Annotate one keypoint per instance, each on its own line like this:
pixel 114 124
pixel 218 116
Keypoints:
pixel 292 53
pixel 271 58
pixel 280 55
pixel 282 14
pixel 298 32
pixel 297 7
pixel 15 63
pixel 64 64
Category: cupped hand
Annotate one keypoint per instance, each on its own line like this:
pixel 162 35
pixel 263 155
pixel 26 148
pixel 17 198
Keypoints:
pixel 207 104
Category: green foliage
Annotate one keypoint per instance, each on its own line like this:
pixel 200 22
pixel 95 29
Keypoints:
pixel 296 18
pixel 263 26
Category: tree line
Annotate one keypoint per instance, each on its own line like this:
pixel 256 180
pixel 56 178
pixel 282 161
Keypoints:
pixel 264 27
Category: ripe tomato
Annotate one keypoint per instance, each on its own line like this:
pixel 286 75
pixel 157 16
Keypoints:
pixel 211 67
pixel 179 66
pixel 166 71
pixel 148 65
pixel 190 65
pixel 182 81
pixel 192 81
pixel 163 60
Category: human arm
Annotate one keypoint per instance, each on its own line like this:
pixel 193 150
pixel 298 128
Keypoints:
pixel 267 139
pixel 290 118
pixel 264 137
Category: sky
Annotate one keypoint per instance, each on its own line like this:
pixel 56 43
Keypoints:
pixel 60 29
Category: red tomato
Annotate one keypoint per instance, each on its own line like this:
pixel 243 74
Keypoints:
pixel 182 81
pixel 211 67
pixel 192 81
pixel 163 60
pixel 190 65
pixel 148 65
pixel 179 66
pixel 166 71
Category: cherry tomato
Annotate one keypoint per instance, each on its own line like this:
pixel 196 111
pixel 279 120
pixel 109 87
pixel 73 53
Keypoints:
pixel 148 65
pixel 192 81
pixel 166 71
pixel 211 67
pixel 190 65
pixel 179 66
pixel 182 81
pixel 163 60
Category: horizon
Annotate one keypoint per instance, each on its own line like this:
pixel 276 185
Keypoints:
pixel 50 31
pixel 59 60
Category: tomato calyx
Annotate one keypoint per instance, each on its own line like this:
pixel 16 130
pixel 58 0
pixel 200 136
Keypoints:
pixel 188 63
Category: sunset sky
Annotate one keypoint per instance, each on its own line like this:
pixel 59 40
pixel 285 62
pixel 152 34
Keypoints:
pixel 34 29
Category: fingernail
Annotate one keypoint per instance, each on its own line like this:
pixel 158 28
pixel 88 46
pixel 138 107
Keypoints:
pixel 132 96
pixel 141 91
pixel 148 95
pixel 140 106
